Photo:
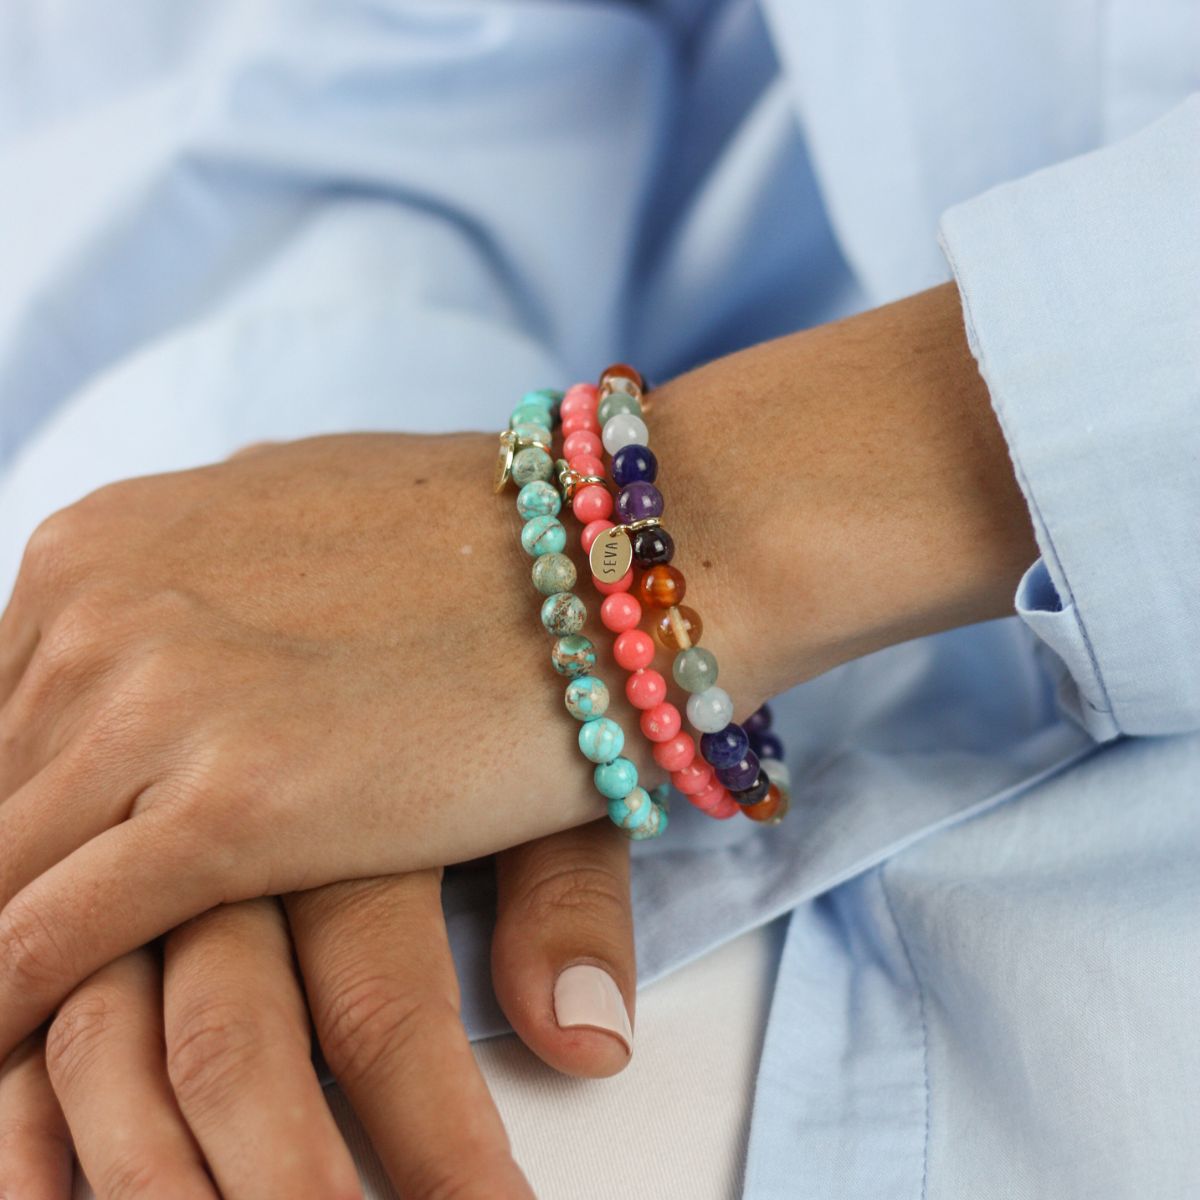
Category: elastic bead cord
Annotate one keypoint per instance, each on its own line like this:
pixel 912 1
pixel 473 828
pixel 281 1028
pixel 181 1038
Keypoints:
pixel 525 458
pixel 735 767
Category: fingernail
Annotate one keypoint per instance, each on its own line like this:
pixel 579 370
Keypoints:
pixel 585 995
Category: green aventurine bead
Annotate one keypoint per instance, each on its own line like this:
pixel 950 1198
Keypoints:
pixel 695 669
pixel 553 573
pixel 530 464
pixel 574 655
pixel 543 535
pixel 587 697
pixel 532 414
pixel 600 739
pixel 656 826
pixel 563 613
pixel 615 779
pixel 539 499
pixel 631 811
pixel 618 402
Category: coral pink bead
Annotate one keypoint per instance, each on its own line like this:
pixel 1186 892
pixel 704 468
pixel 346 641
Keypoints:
pixel 711 797
pixel 622 585
pixel 582 441
pixel 582 398
pixel 660 723
pixel 727 808
pixel 633 649
pixel 693 778
pixel 577 421
pixel 591 531
pixel 586 464
pixel 645 688
pixel 592 503
pixel 675 754
pixel 620 612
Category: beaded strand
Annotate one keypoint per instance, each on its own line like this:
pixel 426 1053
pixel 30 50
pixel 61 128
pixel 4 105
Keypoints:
pixel 525 458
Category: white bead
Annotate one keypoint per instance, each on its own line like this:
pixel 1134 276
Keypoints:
pixel 624 429
pixel 711 710
pixel 777 772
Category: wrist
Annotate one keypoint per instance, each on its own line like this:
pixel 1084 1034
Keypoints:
pixel 840 490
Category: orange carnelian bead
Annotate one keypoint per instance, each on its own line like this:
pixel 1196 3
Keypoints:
pixel 662 586
pixel 772 809
pixel 623 371
pixel 674 621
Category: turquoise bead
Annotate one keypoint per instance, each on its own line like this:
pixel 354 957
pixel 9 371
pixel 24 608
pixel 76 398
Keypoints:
pixel 529 431
pixel 587 697
pixel 631 810
pixel 563 613
pixel 695 669
pixel 601 739
pixel 545 398
pixel 553 573
pixel 539 499
pixel 615 779
pixel 656 826
pixel 618 402
pixel 532 414
pixel 543 535
pixel 574 655
pixel 531 463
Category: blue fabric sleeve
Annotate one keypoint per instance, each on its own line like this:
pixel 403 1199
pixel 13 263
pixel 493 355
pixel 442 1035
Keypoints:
pixel 1080 287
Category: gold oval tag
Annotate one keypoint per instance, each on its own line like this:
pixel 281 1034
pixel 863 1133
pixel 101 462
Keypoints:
pixel 504 460
pixel 611 555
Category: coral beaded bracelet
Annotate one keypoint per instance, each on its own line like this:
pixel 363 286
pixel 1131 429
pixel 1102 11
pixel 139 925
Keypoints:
pixel 525 459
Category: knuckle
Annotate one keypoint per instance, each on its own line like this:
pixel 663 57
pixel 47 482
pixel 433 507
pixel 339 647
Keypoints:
pixel 78 1033
pixel 369 1018
pixel 210 1052
pixel 574 890
pixel 52 545
pixel 76 634
pixel 31 952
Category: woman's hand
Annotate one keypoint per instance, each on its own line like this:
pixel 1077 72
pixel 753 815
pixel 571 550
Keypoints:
pixel 318 662
pixel 234 1108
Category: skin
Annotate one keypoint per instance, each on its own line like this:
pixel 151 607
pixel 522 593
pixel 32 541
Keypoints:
pixel 278 579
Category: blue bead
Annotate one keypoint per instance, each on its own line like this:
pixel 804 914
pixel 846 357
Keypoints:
pixel 758 721
pixel 766 745
pixel 634 464
pixel 633 810
pixel 615 779
pixel 587 697
pixel 742 774
pixel 725 748
pixel 543 535
pixel 545 398
pixel 601 739
pixel 655 827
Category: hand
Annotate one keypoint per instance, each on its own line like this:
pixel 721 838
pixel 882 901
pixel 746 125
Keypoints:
pixel 234 1108
pixel 271 674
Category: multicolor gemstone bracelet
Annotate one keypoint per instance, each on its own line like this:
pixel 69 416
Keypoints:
pixel 739 767
pixel 525 459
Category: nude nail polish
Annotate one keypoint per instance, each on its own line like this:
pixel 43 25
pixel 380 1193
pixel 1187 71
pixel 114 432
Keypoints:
pixel 588 996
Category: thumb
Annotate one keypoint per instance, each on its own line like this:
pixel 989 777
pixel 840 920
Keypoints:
pixel 563 963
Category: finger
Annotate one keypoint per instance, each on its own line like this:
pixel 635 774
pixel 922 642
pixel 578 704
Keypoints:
pixel 384 997
pixel 35 1149
pixel 563 961
pixel 239 1054
pixel 119 891
pixel 104 1054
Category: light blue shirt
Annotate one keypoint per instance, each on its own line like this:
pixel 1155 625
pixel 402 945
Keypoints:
pixel 234 221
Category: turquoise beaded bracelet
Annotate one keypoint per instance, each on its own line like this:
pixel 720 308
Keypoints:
pixel 525 459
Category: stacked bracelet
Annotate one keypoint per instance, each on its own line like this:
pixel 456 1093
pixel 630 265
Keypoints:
pixel 525 458
pixel 729 774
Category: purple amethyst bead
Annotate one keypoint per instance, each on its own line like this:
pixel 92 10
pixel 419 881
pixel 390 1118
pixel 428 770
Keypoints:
pixel 755 793
pixel 639 500
pixel 758 721
pixel 725 748
pixel 634 463
pixel 742 774
pixel 766 745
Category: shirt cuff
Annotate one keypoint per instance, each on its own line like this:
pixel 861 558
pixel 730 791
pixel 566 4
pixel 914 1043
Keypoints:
pixel 1080 287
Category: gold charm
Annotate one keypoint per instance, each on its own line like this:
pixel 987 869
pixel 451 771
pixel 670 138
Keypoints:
pixel 611 555
pixel 504 460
